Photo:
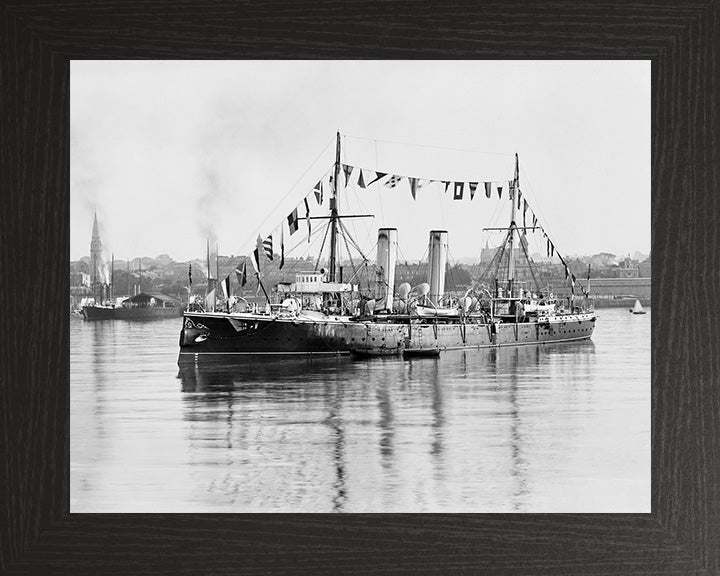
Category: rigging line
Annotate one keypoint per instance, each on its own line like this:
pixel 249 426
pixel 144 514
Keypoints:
pixel 555 250
pixel 292 188
pixel 368 230
pixel 493 220
pixel 356 277
pixel 233 261
pixel 450 259
pixel 379 191
pixel 352 240
pixel 344 235
pixel 500 204
pixel 499 253
pixel 297 262
pixel 304 241
pixel 356 269
pixel 536 204
pixel 273 267
pixel 527 258
pixel 399 143
pixel 322 247
pixel 356 272
pixel 401 253
pixel 441 192
pixel 497 211
pixel 407 264
pixel 422 261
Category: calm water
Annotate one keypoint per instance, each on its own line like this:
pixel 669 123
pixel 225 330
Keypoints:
pixel 556 428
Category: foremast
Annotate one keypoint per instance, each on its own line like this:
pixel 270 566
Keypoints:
pixel 509 240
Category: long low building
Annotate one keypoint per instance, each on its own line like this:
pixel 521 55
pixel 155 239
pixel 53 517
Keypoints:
pixel 609 288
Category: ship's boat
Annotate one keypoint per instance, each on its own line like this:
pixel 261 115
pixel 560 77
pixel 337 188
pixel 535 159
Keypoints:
pixel 329 311
pixel 540 306
pixel 431 312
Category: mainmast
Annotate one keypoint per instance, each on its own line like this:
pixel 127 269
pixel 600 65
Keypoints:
pixel 334 214
pixel 112 277
pixel 209 274
pixel 513 197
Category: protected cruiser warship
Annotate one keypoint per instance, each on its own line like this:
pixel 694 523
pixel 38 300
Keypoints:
pixel 320 314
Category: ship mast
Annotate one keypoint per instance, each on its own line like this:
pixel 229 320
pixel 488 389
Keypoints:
pixel 209 274
pixel 511 256
pixel 112 277
pixel 334 214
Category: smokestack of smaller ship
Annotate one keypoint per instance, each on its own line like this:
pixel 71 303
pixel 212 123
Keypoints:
pixel 437 259
pixel 386 260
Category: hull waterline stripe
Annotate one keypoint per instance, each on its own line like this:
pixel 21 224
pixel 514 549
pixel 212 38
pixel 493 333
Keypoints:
pixel 329 353
pixel 348 352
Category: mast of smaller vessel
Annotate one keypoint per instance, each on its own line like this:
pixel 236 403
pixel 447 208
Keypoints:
pixel 587 286
pixel 217 270
pixel 112 276
pixel 516 187
pixel 334 213
pixel 207 288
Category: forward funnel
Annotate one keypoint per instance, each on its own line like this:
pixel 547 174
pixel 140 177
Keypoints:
pixel 386 260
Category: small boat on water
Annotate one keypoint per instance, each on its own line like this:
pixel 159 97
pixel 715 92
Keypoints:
pixel 421 353
pixel 330 311
pixel 637 309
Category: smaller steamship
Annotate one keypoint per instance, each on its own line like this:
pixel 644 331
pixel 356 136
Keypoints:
pixel 140 306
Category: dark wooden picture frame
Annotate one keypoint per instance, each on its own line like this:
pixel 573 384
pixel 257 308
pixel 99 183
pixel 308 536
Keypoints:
pixel 37 532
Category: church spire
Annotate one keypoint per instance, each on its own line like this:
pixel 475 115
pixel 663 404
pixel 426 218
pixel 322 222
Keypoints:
pixel 95 231
pixel 97 276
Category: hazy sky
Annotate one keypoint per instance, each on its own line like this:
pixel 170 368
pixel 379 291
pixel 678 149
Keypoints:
pixel 171 152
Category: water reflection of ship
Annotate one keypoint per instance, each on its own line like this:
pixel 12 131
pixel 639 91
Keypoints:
pixel 266 374
pixel 509 364
pixel 212 389
pixel 218 393
pixel 225 393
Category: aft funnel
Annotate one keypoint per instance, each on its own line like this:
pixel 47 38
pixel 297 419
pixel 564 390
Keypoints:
pixel 386 260
pixel 437 259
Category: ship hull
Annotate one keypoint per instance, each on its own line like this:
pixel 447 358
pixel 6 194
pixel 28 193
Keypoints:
pixel 210 335
pixel 121 313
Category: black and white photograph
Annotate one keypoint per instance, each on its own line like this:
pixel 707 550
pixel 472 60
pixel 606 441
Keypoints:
pixel 360 286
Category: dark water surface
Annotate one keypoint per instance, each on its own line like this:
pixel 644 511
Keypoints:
pixel 554 428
